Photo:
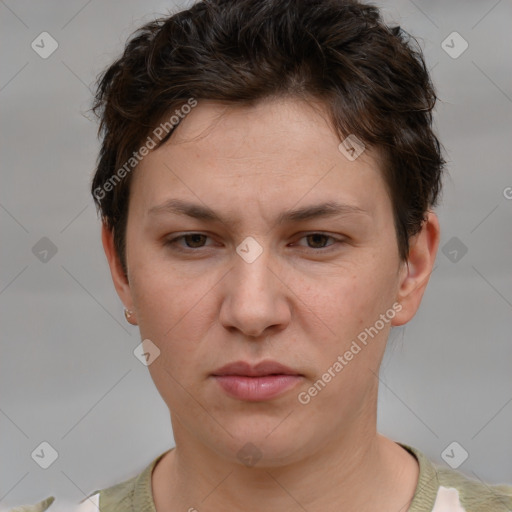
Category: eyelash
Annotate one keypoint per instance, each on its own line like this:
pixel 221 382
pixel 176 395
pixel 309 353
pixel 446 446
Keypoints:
pixel 174 242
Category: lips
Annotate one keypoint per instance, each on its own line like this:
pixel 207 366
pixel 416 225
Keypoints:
pixel 257 383
pixel 261 369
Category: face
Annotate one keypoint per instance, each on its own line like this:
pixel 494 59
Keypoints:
pixel 251 237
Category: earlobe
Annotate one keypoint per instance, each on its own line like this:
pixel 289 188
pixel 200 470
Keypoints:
pixel 119 278
pixel 415 272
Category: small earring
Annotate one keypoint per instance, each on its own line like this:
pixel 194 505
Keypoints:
pixel 128 314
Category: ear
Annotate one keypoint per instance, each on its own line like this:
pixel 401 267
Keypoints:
pixel 415 272
pixel 119 278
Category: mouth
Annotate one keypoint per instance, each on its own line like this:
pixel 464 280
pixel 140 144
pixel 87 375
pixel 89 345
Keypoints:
pixel 261 382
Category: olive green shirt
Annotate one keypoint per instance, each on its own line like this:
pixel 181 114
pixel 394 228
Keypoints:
pixel 439 489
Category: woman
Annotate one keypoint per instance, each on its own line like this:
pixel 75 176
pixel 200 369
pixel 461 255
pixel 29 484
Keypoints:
pixel 266 182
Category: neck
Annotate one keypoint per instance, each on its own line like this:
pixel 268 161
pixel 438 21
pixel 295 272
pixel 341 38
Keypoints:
pixel 355 472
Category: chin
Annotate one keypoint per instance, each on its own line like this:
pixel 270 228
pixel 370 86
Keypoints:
pixel 260 448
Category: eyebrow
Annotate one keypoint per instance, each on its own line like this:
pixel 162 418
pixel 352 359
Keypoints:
pixel 205 213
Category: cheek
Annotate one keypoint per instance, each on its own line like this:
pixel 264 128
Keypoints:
pixel 175 312
pixel 164 296
pixel 349 304
pixel 347 300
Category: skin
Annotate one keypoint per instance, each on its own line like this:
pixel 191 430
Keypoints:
pixel 301 302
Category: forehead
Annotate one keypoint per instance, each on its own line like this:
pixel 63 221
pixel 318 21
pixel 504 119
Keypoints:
pixel 280 150
pixel 287 127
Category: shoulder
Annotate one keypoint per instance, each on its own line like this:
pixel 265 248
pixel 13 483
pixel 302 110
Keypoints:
pixel 119 495
pixel 131 494
pixel 442 489
pixel 88 504
pixel 473 495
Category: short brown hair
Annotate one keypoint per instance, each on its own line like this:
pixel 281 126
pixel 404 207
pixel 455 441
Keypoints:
pixel 372 78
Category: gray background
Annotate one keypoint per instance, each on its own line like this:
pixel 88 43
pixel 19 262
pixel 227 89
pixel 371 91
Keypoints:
pixel 68 374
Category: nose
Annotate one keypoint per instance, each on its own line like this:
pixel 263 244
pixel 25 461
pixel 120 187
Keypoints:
pixel 255 299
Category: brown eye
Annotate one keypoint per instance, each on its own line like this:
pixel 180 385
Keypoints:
pixel 192 241
pixel 317 240
pixel 195 240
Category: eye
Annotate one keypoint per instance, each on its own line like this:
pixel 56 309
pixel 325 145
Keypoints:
pixel 192 241
pixel 316 241
pixel 319 240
